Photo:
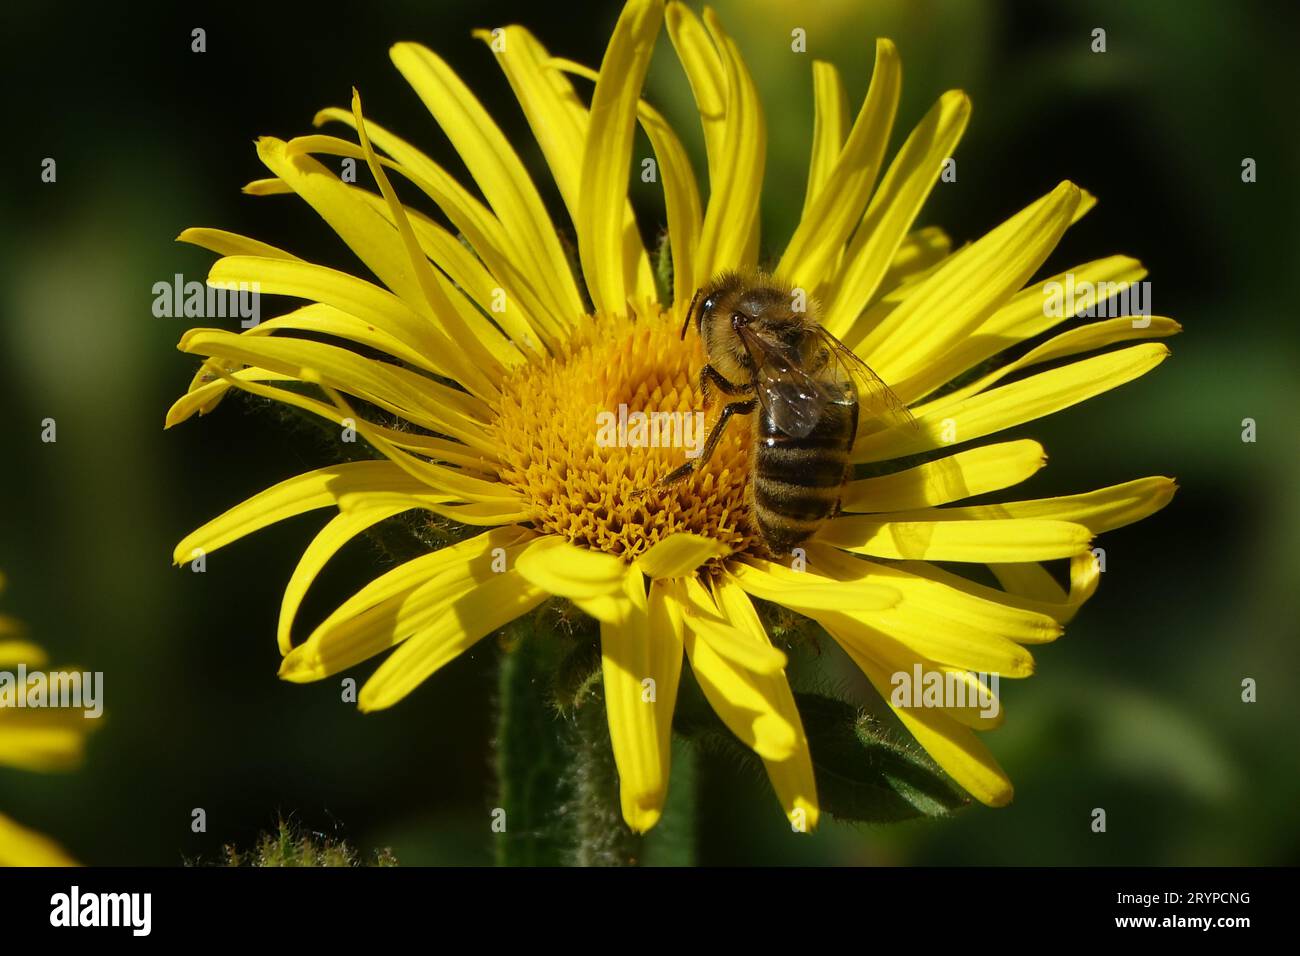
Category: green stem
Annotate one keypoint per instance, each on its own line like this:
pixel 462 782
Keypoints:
pixel 555 766
pixel 529 756
pixel 601 837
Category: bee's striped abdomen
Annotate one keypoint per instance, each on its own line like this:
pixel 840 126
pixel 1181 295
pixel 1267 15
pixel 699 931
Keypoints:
pixel 796 482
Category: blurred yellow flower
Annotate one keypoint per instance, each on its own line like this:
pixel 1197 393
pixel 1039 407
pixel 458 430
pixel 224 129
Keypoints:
pixel 42 740
pixel 497 365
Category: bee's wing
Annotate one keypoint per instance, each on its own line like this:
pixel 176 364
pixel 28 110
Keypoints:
pixel 875 398
pixel 789 395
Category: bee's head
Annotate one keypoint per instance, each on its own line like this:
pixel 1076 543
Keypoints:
pixel 734 302
pixel 711 300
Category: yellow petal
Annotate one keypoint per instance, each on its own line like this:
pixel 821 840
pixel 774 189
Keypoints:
pixel 966 288
pixel 679 554
pixel 606 159
pixel 737 647
pixel 1102 510
pixel 1084 338
pixel 704 72
pixel 749 703
pixel 268 187
pixel 807 590
pixel 397 263
pixel 915 631
pixel 559 122
pixel 341 529
pixel 681 202
pixel 20 846
pixel 820 236
pixel 932 622
pixel 458 625
pixel 566 570
pixel 497 169
pixel 1029 580
pixel 431 589
pixel 16 651
pixel 556 116
pixel 405 393
pixel 483 513
pixel 444 480
pixel 919 252
pixel 980 611
pixel 681 194
pixel 475 366
pixel 1048 598
pixel 1022 318
pixel 515 273
pixel 473 291
pixel 438 449
pixel 903 192
pixel 930 539
pixel 792 776
pixel 796 788
pixel 358 225
pixel 641 657
pixel 983 708
pixel 737 142
pixel 954 747
pixel 963 475
pixel 343 292
pixel 328 320
pixel 830 126
pixel 231 244
pixel 307 492
pixel 207 389
pixel 944 422
pixel 1034 586
pixel 44 741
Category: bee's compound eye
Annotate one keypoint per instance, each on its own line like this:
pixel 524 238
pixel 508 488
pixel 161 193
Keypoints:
pixel 708 304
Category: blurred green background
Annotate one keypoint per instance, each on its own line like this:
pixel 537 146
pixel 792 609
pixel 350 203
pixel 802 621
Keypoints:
pixel 1136 710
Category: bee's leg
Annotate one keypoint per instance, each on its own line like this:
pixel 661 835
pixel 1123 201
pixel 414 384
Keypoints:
pixel 711 378
pixel 711 443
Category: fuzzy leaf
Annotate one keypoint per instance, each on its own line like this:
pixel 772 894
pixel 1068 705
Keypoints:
pixel 868 774
pixel 865 773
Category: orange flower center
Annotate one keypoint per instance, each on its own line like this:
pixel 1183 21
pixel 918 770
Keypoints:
pixel 585 435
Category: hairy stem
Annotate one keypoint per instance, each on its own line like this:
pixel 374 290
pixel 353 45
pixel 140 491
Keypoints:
pixel 559 786
pixel 530 757
pixel 601 838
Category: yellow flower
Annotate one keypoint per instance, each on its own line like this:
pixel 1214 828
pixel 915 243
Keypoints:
pixel 41 740
pixel 497 367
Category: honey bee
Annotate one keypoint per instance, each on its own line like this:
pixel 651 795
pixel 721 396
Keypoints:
pixel 807 386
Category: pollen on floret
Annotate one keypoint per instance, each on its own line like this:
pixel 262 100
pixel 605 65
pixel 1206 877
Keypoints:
pixel 603 495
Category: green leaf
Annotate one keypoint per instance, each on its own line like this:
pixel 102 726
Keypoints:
pixel 865 772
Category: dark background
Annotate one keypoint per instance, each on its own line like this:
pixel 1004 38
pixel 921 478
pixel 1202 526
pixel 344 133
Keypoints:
pixel 1136 710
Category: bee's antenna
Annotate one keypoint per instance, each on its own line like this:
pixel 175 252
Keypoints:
pixel 690 312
